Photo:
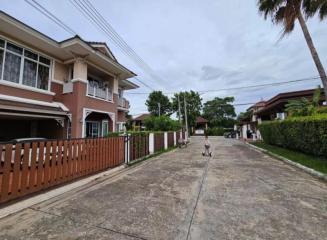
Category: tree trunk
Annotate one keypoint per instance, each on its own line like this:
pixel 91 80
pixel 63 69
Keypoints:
pixel 314 53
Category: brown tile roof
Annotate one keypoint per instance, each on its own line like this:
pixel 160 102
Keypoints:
pixel 283 98
pixel 201 120
pixel 142 117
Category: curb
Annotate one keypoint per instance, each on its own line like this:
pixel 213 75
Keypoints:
pixel 310 171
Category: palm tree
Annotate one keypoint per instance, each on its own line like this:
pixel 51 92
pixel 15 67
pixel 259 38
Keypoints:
pixel 311 7
pixel 286 12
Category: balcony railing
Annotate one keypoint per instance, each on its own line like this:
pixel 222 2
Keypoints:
pixel 99 90
pixel 123 103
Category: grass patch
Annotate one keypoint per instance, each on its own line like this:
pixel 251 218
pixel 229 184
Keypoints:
pixel 317 163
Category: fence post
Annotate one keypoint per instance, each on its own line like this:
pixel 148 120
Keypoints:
pixel 175 139
pixel 127 148
pixel 151 143
pixel 166 140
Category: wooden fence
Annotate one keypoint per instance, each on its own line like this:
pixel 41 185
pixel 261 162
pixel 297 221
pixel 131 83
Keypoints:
pixel 139 146
pixel 30 167
pixel 33 166
pixel 159 142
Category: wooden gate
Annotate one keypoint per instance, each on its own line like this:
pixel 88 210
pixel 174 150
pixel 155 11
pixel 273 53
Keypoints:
pixel 33 166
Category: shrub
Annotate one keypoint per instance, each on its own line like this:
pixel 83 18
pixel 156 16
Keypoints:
pixel 322 110
pixel 112 134
pixel 215 131
pixel 305 134
pixel 162 123
pixel 138 133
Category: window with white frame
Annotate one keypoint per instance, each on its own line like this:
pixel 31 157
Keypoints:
pixel 99 89
pixel 92 129
pixel 105 128
pixel 280 115
pixel 22 66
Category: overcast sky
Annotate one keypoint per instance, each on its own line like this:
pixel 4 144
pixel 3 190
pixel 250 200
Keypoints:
pixel 193 44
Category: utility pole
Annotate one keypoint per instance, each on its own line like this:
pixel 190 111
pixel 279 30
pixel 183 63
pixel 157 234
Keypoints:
pixel 186 124
pixel 179 110
pixel 159 108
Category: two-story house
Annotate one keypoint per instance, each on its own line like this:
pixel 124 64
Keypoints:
pixel 273 109
pixel 51 89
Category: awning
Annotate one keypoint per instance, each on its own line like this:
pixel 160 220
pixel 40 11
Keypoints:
pixel 21 107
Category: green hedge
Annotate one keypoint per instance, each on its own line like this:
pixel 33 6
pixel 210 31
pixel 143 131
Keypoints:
pixel 305 134
pixel 162 123
pixel 216 131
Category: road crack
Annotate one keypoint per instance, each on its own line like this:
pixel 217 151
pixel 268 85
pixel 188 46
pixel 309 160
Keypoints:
pixel 204 175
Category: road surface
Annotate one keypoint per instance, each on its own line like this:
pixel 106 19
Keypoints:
pixel 239 193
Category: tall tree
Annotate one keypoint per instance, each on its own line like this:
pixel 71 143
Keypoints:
pixel 193 106
pixel 156 102
pixel 220 112
pixel 286 12
pixel 311 7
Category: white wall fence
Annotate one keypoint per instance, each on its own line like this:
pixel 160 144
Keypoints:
pixel 144 144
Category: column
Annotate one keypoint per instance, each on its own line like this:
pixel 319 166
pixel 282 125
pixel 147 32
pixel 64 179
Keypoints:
pixel 151 143
pixel 166 139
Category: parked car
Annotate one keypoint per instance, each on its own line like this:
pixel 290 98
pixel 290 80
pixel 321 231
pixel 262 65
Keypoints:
pixel 21 140
pixel 231 134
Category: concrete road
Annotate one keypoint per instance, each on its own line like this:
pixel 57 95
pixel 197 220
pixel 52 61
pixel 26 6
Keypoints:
pixel 237 194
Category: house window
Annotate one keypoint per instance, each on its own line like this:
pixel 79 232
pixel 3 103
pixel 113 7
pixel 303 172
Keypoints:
pixel 280 116
pixel 1 61
pixel 22 66
pixel 92 129
pixel 99 89
pixel 105 128
pixel 120 93
pixel 11 71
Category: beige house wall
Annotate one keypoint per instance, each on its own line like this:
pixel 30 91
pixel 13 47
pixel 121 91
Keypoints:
pixel 116 85
pixel 80 70
pixel 61 72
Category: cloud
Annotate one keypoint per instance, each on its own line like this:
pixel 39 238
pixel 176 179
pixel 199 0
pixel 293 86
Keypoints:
pixel 191 44
pixel 214 73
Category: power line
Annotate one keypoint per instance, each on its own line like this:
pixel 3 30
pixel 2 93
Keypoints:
pixel 95 16
pixel 262 85
pixel 90 12
pixel 65 27
pixel 49 15
pixel 114 33
pixel 146 85
pixel 243 87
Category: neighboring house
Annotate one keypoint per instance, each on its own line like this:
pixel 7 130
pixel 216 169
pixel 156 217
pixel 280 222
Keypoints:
pixel 249 123
pixel 50 89
pixel 272 109
pixel 138 121
pixel 201 124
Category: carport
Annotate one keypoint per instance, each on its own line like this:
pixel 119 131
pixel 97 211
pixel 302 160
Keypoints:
pixel 26 120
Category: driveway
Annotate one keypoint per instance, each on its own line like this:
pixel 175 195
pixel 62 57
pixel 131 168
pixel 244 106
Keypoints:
pixel 237 194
